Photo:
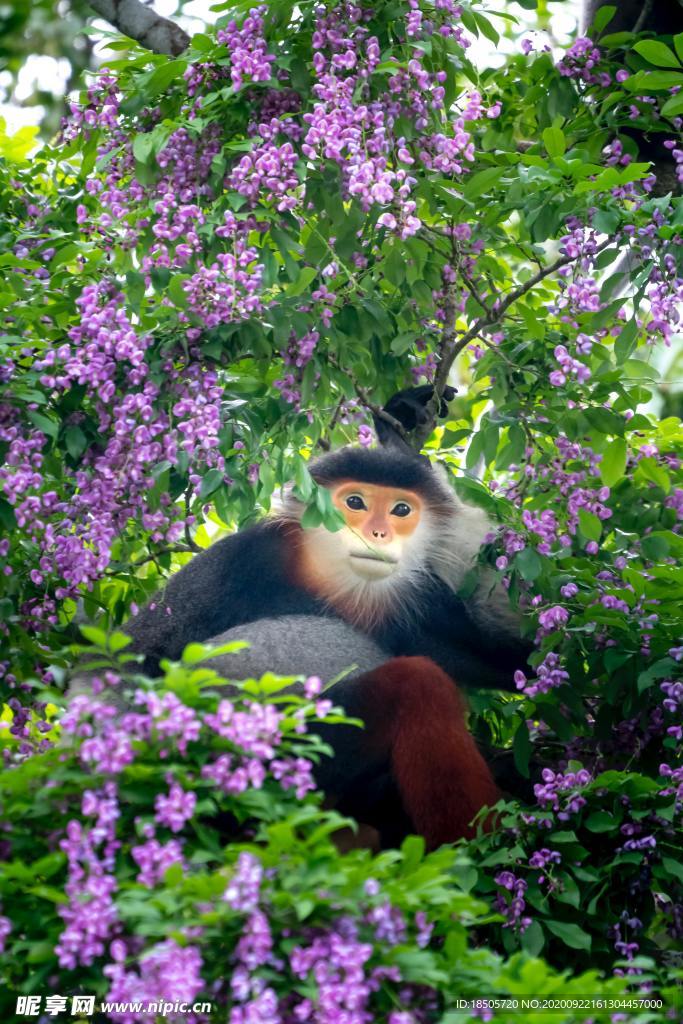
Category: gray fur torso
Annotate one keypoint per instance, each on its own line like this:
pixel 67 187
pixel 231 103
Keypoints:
pixel 306 645
pixel 291 645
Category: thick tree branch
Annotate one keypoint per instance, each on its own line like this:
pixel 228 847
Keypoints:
pixel 451 345
pixel 132 18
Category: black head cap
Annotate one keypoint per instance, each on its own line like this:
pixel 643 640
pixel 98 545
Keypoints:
pixel 386 467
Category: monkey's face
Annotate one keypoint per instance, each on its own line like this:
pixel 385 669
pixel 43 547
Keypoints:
pixel 380 524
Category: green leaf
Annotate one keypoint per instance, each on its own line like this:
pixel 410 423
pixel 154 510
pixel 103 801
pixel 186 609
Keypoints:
pixel 482 182
pixel 403 343
pixel 176 291
pixel 163 75
pixel 613 464
pixel 211 482
pixel 601 821
pixel 486 28
pixel 591 526
pixel 637 368
pixel 602 19
pixel 75 440
pixel 528 563
pixel 554 141
pixel 626 342
pixel 569 891
pixel 605 421
pixel 655 81
pixel 673 867
pixel 143 147
pixel 655 548
pixel 7 517
pixel 660 670
pixel 678 45
pixel 311 517
pixel 94 635
pixel 657 53
pixel 650 469
pixel 200 41
pixel 533 939
pixel 571 934
pixel 674 106
pixel 47 426
pixel 306 276
pixel 513 450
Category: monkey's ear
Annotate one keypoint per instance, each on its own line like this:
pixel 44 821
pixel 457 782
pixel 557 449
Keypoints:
pixel 409 407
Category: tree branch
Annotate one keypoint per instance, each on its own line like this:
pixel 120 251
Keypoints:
pixel 366 401
pixel 642 17
pixel 451 347
pixel 132 18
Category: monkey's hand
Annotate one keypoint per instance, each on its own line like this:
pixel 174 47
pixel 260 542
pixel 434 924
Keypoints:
pixel 409 406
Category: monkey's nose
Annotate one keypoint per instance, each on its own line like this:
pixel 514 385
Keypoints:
pixel 379 534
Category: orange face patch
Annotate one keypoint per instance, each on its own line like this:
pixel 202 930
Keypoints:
pixel 378 514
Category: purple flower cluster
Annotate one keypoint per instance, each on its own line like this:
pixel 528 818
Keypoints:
pixel 155 858
pixel 570 367
pixel 175 808
pixel 580 60
pixel 268 174
pixel 100 109
pixel 5 929
pixel 561 793
pixel 553 618
pixel 548 676
pixel 542 861
pixel 247 47
pixel 227 290
pixel 255 733
pixel 510 901
pixel 620 935
pixel 358 135
pixel 330 964
pixel 167 972
pixel 90 915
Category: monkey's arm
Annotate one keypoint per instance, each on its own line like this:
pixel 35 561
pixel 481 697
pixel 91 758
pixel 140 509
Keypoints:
pixel 239 579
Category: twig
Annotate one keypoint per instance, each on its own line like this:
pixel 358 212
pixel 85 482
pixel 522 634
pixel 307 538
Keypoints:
pixel 450 348
pixel 176 549
pixel 366 401
pixel 322 441
pixel 192 546
pixel 642 17
pixel 134 19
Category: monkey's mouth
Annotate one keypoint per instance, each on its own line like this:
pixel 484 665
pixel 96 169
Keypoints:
pixel 370 557
pixel 370 565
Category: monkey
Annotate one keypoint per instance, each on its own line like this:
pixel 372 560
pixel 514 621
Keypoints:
pixel 378 597
pixel 392 572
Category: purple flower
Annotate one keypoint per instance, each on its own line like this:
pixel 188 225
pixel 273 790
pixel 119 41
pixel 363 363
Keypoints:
pixel 553 618
pixel 175 809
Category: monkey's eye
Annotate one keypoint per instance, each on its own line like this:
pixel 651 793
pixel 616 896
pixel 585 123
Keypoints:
pixel 355 502
pixel 402 510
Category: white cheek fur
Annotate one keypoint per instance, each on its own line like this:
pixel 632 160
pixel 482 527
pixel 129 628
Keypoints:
pixel 366 601
pixel 442 547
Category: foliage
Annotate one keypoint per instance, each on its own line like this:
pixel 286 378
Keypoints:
pixel 128 816
pixel 583 867
pixel 231 258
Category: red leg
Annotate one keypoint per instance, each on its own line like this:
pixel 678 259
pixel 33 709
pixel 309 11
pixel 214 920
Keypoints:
pixel 415 730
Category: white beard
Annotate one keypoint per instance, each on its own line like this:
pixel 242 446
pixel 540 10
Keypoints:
pixel 366 601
